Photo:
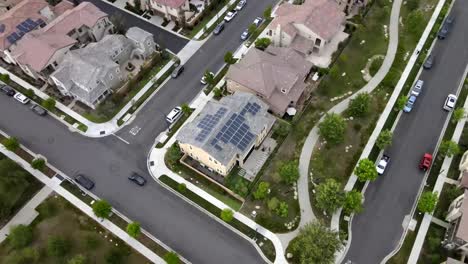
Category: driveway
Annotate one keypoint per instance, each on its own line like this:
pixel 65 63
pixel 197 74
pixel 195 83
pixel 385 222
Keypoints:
pixel 377 231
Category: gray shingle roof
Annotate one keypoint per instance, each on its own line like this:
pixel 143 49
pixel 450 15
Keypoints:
pixel 229 127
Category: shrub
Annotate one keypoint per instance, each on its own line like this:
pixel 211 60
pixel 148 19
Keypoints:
pixel 262 43
pixel 289 172
pixel 329 196
pixel 20 236
pixel 384 139
pixel 78 259
pixel 427 202
pixel 49 103
pixel 38 164
pixel 400 103
pixel 262 190
pixel 353 202
pixel 227 215
pixel 333 128
pixel 448 148
pixel 172 258
pixel 102 209
pixel 366 171
pixel 359 106
pixel 11 143
pixel 282 210
pixel 181 187
pixel 134 229
pixel 58 247
pixel 273 203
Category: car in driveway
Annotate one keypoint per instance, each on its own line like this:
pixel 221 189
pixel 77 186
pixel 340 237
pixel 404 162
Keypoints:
pixel 409 104
pixel 241 5
pixel 138 179
pixel 38 110
pixel 203 79
pixel 8 90
pixel 218 28
pixel 429 62
pixel 230 15
pixel 426 162
pixel 84 181
pixel 382 165
pixel 245 34
pixel 450 102
pixel 445 29
pixel 417 88
pixel 21 98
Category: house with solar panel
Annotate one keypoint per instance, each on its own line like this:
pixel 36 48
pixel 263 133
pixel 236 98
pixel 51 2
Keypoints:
pixel 226 132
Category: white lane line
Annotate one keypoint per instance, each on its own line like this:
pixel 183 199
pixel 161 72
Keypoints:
pixel 125 141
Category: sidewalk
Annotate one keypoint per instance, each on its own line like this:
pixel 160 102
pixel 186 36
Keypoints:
pixel 214 19
pixel 27 214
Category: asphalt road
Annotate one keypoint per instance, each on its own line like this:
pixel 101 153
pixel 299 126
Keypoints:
pixel 108 161
pixel 378 229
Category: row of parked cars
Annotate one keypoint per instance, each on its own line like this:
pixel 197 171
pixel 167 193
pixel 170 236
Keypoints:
pixel 22 99
pixel 88 184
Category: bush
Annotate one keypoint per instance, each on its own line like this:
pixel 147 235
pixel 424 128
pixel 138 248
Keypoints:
pixel 49 103
pixel 11 143
pixel 78 259
pixel 458 114
pixel 448 148
pixel 427 202
pixel 375 66
pixel 58 247
pixel 38 164
pixel 384 139
pixel 227 215
pixel 29 93
pixel 181 187
pixel 134 229
pixel 172 258
pixel 352 202
pixel 282 129
pixel 5 78
pixel 333 128
pixel 173 155
pixel 359 106
pixel 289 172
pixel 262 43
pixel 366 171
pixel 400 103
pixel 25 256
pixel 102 209
pixel 262 190
pixel 329 196
pixel 273 203
pixel 282 210
pixel 20 236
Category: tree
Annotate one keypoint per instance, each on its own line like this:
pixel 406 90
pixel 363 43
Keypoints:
pixel 102 209
pixel 289 172
pixel 262 190
pixel 366 171
pixel 11 143
pixel 118 20
pixel 229 58
pixel 282 129
pixel 333 128
pixel 186 109
pixel 78 259
pixel 458 114
pixel 384 139
pixel 267 12
pixel 209 77
pixel 29 93
pixel 20 236
pixel 171 258
pixel 359 106
pixel 448 148
pixel 427 202
pixel 316 244
pixel 217 93
pixel 400 103
pixel 251 29
pixel 58 247
pixel 273 203
pixel 134 229
pixel 262 43
pixel 282 210
pixel 227 215
pixel 415 22
pixel 181 187
pixel 353 202
pixel 329 196
pixel 38 164
pixel 173 155
pixel 49 103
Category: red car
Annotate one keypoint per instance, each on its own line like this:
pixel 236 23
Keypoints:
pixel 426 162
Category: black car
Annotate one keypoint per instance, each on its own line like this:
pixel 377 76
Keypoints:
pixel 429 62
pixel 84 181
pixel 39 110
pixel 8 90
pixel 443 32
pixel 137 179
pixel 218 28
pixel 177 71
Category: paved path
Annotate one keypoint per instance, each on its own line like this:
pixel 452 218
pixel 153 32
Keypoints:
pixel 27 214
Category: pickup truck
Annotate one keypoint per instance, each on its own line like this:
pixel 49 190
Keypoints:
pixel 382 164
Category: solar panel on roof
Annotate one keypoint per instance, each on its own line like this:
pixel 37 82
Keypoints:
pixel 40 22
pixel 11 39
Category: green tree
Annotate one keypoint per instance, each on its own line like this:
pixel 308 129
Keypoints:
pixel 366 171
pixel 229 58
pixel 262 190
pixel 134 229
pixel 458 114
pixel 172 258
pixel 415 22
pixel 316 244
pixel 11 143
pixel 227 215
pixel 262 43
pixel 333 128
pixel 282 128
pixel 412 4
pixel 289 172
pixel 400 103
pixel 217 93
pixel 20 236
pixel 329 196
pixel 5 78
pixel 38 164
pixel 384 139
pixel 78 259
pixel 181 187
pixel 186 109
pixel 251 29
pixel 448 148
pixel 24 256
pixel 352 202
pixel 58 246
pixel 267 12
pixel 427 202
pixel 102 209
pixel 209 77
pixel 29 93
pixel 273 203
pixel 282 210
pixel 359 106
pixel 49 103
pixel 173 155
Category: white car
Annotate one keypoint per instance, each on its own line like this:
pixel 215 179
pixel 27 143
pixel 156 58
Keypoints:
pixel 450 102
pixel 258 21
pixel 241 4
pixel 21 98
pixel 230 15
pixel 174 115
pixel 203 79
pixel 382 165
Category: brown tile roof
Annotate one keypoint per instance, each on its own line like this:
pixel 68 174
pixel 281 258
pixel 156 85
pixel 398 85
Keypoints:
pixel 63 6
pixel 323 17
pixel 171 3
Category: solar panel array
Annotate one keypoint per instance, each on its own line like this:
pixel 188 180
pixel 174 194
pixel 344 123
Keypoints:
pixel 23 28
pixel 236 132
pixel 208 123
pixel 251 108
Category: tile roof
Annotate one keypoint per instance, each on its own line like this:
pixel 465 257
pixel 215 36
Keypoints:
pixel 63 6
pixel 171 3
pixel 211 130
pixel 462 231
pixel 323 17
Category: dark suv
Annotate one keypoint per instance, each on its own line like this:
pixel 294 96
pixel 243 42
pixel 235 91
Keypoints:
pixel 84 181
pixel 8 90
pixel 137 179
pixel 218 28
pixel 443 32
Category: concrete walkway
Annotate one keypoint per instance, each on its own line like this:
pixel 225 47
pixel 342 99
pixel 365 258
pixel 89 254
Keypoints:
pixel 27 214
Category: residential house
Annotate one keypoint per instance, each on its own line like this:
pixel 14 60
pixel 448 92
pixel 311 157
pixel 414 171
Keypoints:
pixel 91 73
pixel 171 9
pixel 452 261
pixel 226 132
pixel 6 5
pixel 40 51
pixel 306 28
pixel 275 75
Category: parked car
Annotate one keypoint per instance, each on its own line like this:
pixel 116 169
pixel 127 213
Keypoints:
pixel 177 71
pixel 409 104
pixel 245 34
pixel 38 110
pixel 426 162
pixel 258 21
pixel 382 165
pixel 417 89
pixel 203 79
pixel 8 90
pixel 21 98
pixel 138 179
pixel 230 15
pixel 174 115
pixel 429 62
pixel 445 29
pixel 84 181
pixel 241 4
pixel 450 102
pixel 218 28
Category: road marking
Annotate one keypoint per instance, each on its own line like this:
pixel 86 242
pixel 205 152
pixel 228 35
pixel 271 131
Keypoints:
pixel 125 141
pixel 135 130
